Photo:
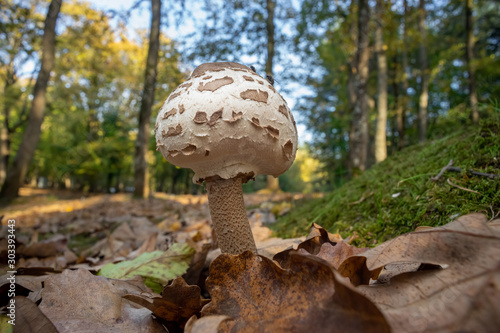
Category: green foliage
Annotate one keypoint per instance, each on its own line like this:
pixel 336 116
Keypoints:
pixel 326 44
pixel 398 195
pixel 156 268
pixel 89 133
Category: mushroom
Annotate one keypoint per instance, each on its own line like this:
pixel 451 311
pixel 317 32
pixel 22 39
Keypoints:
pixel 228 125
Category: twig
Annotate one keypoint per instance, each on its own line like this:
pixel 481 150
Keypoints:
pixel 477 173
pixel 443 170
pixel 493 215
pixel 462 188
pixel 363 198
pixel 449 167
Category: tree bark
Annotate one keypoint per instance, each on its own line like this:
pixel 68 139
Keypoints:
pixel 358 143
pixel 4 153
pixel 423 100
pixel 403 101
pixel 469 58
pixel 272 182
pixel 141 175
pixel 17 173
pixel 352 65
pixel 380 135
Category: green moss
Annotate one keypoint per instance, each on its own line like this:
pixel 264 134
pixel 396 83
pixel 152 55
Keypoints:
pixel 398 195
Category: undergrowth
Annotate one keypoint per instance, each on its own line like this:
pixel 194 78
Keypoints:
pixel 398 195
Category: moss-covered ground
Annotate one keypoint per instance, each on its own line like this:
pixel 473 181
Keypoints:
pixel 398 195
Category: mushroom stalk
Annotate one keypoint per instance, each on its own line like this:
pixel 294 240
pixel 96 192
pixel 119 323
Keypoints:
pixel 229 217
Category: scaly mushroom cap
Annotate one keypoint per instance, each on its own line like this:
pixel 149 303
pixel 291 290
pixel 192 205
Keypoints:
pixel 227 121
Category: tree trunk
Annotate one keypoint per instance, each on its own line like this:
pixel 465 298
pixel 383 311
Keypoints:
pixel 17 173
pixel 4 153
pixel 380 136
pixel 469 58
pixel 399 100
pixel 423 100
pixel 141 175
pixel 352 65
pixel 272 182
pixel 358 143
pixel 402 107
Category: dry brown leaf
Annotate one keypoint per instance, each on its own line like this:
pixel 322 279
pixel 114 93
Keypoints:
pixel 262 297
pixel 192 276
pixel 317 230
pixel 47 248
pixel 316 238
pixel 179 301
pixel 463 296
pixel 77 301
pixel 208 324
pixel 336 254
pixel 29 318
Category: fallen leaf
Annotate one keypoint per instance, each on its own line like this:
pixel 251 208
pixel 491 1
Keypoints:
pixel 463 295
pixel 29 318
pixel 336 254
pixel 47 248
pixel 316 238
pixel 262 297
pixel 192 276
pixel 208 324
pixel 179 301
pixel 157 268
pixel 77 301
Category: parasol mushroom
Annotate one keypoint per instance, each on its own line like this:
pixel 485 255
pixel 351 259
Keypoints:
pixel 228 125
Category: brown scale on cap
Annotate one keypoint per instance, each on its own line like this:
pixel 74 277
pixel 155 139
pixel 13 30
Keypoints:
pixel 200 117
pixel 255 121
pixel 185 85
pixel 215 84
pixel 255 95
pixel 236 116
pixel 217 67
pixel 214 117
pixel 170 113
pixel 189 149
pixel 288 150
pixel 282 108
pixel 274 132
pixel 173 96
pixel 248 78
pixel 181 108
pixel 172 131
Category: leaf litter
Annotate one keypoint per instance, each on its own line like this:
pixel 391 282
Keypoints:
pixel 158 270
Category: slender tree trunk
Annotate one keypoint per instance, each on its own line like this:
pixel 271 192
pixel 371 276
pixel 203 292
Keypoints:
pixel 469 57
pixel 402 108
pixel 399 100
pixel 4 153
pixel 31 136
pixel 358 145
pixel 380 135
pixel 352 65
pixel 272 182
pixel 141 175
pixel 423 100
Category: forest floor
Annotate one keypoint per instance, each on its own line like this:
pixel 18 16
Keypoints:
pixel 135 258
pixel 404 192
pixel 105 225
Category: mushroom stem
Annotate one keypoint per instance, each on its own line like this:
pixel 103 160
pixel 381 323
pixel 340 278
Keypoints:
pixel 229 217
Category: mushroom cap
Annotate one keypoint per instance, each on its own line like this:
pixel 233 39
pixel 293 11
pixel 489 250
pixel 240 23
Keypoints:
pixel 227 121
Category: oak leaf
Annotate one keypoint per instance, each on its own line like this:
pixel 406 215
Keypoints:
pixel 260 296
